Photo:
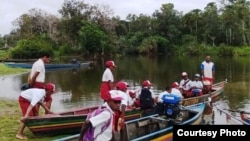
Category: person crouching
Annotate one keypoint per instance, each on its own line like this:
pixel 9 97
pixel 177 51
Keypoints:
pixel 28 99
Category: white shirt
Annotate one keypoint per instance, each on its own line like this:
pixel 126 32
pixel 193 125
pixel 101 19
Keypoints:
pixel 208 69
pixel 176 92
pixel 107 76
pixel 161 95
pixel 187 85
pixel 34 95
pixel 123 95
pixel 131 100
pixel 99 121
pixel 38 66
pixel 197 84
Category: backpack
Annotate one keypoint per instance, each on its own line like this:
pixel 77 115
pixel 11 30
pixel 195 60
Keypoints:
pixel 146 100
pixel 89 134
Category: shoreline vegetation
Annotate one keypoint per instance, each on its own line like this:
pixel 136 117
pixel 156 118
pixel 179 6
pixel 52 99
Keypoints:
pixel 10 113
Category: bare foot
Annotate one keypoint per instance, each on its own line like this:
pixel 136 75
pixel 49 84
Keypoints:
pixel 21 137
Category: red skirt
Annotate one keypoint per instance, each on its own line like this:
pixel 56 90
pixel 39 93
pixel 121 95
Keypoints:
pixel 104 90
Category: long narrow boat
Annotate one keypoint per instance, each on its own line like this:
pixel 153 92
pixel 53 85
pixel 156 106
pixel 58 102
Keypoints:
pixel 71 121
pixel 217 90
pixel 159 128
pixel 48 66
pixel 155 127
pixel 67 122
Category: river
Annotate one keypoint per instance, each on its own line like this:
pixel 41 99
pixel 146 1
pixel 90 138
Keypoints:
pixel 79 88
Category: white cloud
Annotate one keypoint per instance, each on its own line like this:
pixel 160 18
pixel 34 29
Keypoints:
pixel 12 9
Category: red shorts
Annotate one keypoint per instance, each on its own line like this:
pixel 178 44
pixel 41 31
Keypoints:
pixel 104 90
pixel 24 104
pixel 209 79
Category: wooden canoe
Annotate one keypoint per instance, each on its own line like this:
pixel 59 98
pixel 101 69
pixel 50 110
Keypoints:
pixel 217 90
pixel 48 66
pixel 68 122
pixel 155 127
pixel 158 128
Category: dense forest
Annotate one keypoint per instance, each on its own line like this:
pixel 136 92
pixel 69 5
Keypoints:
pixel 92 30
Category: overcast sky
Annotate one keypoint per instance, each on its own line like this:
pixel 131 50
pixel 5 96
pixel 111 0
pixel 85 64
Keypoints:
pixel 12 9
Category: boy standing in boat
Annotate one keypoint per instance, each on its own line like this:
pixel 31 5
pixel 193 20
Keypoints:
pixel 207 70
pixel 107 79
pixel 36 77
pixel 28 99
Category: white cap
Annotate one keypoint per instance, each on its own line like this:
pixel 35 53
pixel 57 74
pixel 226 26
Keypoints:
pixel 184 74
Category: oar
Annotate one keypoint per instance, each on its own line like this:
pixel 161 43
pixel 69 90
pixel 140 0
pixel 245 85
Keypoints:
pixel 236 111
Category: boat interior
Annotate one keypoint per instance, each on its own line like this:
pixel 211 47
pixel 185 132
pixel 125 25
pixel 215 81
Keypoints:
pixel 146 125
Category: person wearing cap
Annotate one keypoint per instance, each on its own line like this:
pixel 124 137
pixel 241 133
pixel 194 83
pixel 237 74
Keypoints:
pixel 185 84
pixel 175 89
pixel 132 99
pixel 107 79
pixel 208 69
pixel 112 103
pixel 146 99
pixel 196 86
pixel 121 88
pixel 27 101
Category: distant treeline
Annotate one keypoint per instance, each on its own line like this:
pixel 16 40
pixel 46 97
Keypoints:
pixel 91 30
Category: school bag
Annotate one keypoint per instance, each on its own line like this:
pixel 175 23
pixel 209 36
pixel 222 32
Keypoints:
pixel 89 134
pixel 146 100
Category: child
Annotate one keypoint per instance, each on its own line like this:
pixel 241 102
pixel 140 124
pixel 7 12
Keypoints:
pixel 28 99
pixel 112 103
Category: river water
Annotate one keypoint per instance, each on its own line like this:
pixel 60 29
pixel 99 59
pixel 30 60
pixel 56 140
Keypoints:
pixel 80 88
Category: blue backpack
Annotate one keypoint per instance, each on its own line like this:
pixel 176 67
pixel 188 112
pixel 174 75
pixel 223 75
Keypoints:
pixel 89 134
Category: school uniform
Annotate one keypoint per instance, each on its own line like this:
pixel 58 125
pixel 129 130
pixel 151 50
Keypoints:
pixel 99 121
pixel 31 96
pixel 106 78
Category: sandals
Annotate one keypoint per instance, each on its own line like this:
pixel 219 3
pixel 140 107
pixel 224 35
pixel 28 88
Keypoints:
pixel 21 137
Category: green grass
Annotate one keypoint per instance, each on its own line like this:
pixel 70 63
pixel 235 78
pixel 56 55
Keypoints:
pixel 5 70
pixel 10 114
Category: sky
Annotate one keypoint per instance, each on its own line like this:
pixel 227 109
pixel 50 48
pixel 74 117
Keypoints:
pixel 12 9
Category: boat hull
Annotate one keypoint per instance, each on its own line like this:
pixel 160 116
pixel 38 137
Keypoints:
pixel 162 131
pixel 48 66
pixel 217 90
pixel 69 122
pixel 144 128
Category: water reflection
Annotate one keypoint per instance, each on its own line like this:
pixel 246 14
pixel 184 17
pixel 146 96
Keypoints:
pixel 80 88
pixel 208 114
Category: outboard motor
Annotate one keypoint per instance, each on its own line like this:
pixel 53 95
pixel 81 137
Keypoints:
pixel 172 109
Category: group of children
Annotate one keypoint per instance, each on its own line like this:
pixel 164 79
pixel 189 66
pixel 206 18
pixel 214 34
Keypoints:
pixel 117 98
